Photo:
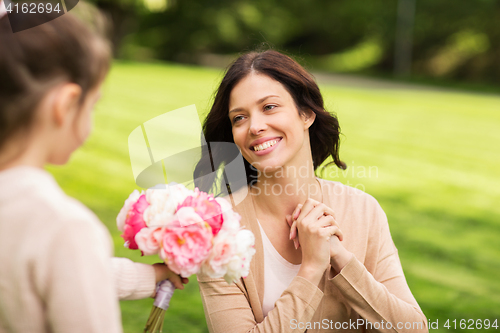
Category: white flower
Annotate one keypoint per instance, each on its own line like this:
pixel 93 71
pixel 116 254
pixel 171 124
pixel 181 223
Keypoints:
pixel 163 203
pixel 187 216
pixel 122 216
pixel 239 265
pixel 160 219
pixel 231 218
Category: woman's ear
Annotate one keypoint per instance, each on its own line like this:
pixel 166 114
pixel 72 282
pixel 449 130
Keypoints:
pixel 308 116
pixel 66 103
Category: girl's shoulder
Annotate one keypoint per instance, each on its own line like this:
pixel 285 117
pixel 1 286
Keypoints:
pixel 30 192
pixel 38 219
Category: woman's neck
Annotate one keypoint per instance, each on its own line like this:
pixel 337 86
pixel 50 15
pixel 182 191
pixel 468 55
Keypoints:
pixel 277 194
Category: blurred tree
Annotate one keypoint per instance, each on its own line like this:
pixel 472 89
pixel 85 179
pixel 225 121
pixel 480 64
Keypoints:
pixel 441 26
pixel 404 37
pixel 123 14
pixel 453 39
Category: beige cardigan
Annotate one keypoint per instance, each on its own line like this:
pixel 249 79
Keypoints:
pixel 371 286
pixel 56 270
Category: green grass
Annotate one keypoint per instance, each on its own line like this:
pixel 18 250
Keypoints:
pixel 432 159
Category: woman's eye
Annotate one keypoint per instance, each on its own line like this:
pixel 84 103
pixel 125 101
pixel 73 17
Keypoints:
pixel 237 118
pixel 269 107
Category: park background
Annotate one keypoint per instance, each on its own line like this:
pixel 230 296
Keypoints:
pixel 414 84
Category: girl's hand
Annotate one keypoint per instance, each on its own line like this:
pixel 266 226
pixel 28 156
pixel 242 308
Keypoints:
pixel 316 228
pixel 339 256
pixel 164 273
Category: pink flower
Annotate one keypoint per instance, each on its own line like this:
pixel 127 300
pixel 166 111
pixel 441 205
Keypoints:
pixel 185 248
pixel 230 217
pixel 222 251
pixel 122 216
pixel 134 222
pixel 206 207
pixel 163 203
pixel 187 216
pixel 149 240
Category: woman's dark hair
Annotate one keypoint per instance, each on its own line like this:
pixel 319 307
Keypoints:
pixel 33 61
pixel 324 132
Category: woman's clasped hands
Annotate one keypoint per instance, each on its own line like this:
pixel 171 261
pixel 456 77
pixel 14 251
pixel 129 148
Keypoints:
pixel 320 238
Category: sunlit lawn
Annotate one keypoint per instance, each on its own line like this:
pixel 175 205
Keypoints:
pixel 432 159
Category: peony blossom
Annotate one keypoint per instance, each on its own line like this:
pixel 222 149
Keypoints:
pixel 239 265
pixel 163 203
pixel 230 217
pixel 161 219
pixel 223 249
pixel 185 248
pixel 134 222
pixel 206 207
pixel 122 216
pixel 187 216
pixel 149 240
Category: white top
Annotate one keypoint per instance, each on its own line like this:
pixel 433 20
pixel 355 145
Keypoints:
pixel 278 274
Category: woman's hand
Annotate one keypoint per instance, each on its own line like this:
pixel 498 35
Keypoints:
pixel 339 256
pixel 316 229
pixel 164 273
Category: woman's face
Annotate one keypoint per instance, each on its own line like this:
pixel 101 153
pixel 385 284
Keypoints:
pixel 266 124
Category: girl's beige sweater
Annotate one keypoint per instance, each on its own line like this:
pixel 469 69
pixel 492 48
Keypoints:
pixel 57 273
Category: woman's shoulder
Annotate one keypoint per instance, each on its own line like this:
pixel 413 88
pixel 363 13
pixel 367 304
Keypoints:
pixel 336 190
pixel 358 212
pixel 352 202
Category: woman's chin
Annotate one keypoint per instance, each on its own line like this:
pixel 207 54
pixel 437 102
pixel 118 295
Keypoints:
pixel 268 169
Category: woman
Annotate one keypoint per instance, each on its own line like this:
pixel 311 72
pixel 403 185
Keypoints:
pixel 345 274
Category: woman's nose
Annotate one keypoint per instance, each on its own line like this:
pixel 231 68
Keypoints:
pixel 257 125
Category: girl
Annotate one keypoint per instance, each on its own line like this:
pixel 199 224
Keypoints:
pixel 56 274
pixel 325 258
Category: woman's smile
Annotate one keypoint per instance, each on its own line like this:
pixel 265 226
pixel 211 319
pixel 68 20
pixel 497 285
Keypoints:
pixel 265 145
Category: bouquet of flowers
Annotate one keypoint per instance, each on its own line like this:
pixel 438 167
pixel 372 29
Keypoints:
pixel 191 231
